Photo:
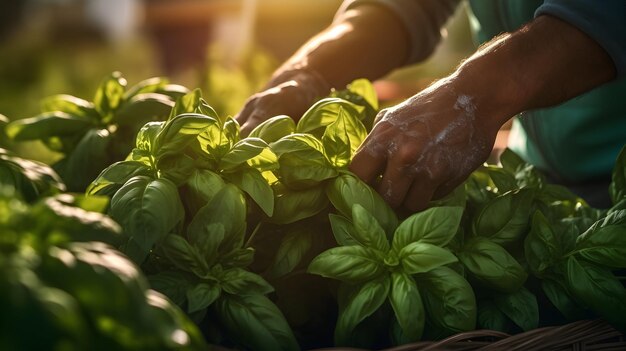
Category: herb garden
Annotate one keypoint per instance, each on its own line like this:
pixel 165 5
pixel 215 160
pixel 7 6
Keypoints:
pixel 162 227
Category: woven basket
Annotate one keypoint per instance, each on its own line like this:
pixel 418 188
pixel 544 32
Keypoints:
pixel 578 336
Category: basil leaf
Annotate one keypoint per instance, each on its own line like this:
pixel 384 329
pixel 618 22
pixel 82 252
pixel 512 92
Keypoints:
pixel 176 167
pixel 252 182
pixel 146 138
pixel 493 265
pixel 605 241
pixel 449 300
pixel 347 263
pixel 241 152
pixel 201 296
pixel 291 251
pixel 367 230
pixel 364 88
pixel 207 240
pixel 365 300
pixel 240 282
pixel 46 125
pixel 420 257
pixel 183 255
pixel 116 175
pixel 323 113
pixel 342 230
pixel 521 307
pixel 505 218
pixel 143 108
pixel 274 128
pixel 407 305
pixel 617 188
pixel 148 209
pixel 202 185
pixel 255 323
pixel 598 289
pixel 541 246
pixel 172 283
pixel 71 105
pixel 228 208
pixel 503 180
pixel 109 95
pixel 182 130
pixel 435 226
pixel 347 190
pixel 490 317
pixel 293 205
pixel 342 138
pixel 150 85
pixel 511 161
pixel 187 104
pixel 559 296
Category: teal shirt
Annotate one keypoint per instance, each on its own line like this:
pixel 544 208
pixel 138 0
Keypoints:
pixel 576 141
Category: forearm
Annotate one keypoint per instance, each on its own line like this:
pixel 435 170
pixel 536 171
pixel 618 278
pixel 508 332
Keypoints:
pixel 366 42
pixel 545 63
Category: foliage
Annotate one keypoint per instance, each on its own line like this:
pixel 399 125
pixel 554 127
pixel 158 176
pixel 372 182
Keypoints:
pixel 270 242
pixel 61 278
pixel 92 135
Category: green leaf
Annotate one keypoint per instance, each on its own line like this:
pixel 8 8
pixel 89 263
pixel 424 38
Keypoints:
pixel 183 255
pixel 407 305
pixel 204 108
pixel 449 300
pixel 347 263
pixel 150 85
pixel 274 128
pixel 146 138
pixel 365 88
pixel 203 185
pixel 293 205
pixel 605 241
pixel 143 108
pixel 71 105
pixel 116 175
pixel 505 218
pixel 186 104
pixel 347 190
pixel 293 247
pixel 228 208
pixel 47 125
pixel 436 226
pixel 541 246
pixel 207 240
pixel 148 209
pixel 176 167
pixel 342 230
pixel 521 307
pixel 511 161
pixel 241 152
pixel 172 283
pixel 180 131
pixel 598 289
pixel 420 257
pixel 342 138
pixel 30 178
pixel 109 95
pixel 493 265
pixel 201 296
pixel 255 323
pixel 503 180
pixel 364 301
pixel 323 113
pixel 302 161
pixel 557 294
pixel 84 164
pixel 490 317
pixel 240 282
pixel 617 188
pixel 252 182
pixel 367 230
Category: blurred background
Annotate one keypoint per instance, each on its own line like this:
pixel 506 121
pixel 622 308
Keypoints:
pixel 228 48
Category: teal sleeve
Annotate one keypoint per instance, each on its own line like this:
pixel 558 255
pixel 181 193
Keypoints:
pixel 422 19
pixel 604 21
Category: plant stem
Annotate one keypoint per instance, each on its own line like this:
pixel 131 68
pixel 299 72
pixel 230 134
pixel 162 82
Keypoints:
pixel 256 229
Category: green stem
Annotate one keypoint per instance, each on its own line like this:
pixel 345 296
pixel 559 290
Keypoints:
pixel 256 229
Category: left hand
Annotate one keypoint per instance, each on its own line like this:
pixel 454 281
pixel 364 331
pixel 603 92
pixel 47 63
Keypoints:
pixel 425 147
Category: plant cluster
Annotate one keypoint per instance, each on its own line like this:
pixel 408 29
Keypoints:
pixel 269 242
pixel 62 278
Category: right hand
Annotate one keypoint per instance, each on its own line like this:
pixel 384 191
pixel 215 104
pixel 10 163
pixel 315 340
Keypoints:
pixel 294 93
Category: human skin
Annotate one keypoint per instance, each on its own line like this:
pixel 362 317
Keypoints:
pixel 427 145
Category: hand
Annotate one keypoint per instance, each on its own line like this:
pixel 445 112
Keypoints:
pixel 424 147
pixel 290 93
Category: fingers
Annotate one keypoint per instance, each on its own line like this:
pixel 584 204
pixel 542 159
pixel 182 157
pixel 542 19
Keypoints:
pixel 419 194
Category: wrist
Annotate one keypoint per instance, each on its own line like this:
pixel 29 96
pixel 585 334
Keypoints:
pixel 311 82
